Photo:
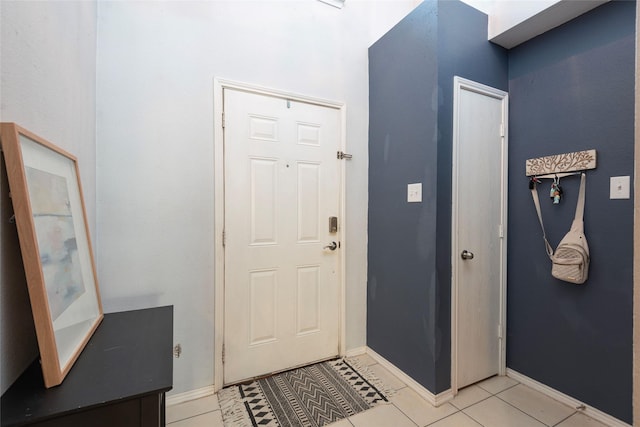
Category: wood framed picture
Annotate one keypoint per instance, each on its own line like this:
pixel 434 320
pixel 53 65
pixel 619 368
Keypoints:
pixel 53 231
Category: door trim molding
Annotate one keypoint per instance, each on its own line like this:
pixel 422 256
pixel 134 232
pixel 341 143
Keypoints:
pixel 460 84
pixel 219 85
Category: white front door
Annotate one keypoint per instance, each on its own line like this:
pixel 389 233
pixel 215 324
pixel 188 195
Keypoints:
pixel 282 184
pixel 479 234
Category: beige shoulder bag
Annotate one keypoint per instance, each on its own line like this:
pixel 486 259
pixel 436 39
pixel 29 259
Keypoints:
pixel 570 262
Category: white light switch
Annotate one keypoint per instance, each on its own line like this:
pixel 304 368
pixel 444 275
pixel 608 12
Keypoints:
pixel 619 187
pixel 414 192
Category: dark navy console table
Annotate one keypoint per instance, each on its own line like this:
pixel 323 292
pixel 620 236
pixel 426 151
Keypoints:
pixel 120 378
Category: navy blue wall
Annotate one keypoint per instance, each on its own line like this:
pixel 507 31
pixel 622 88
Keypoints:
pixel 573 89
pixel 411 72
pixel 401 296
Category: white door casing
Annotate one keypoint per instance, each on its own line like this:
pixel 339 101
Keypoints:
pixel 282 288
pixel 479 215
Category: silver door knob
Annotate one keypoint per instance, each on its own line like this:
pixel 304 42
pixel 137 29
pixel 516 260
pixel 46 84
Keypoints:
pixel 333 246
pixel 466 254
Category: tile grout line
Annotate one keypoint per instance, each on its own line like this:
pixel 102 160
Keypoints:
pixel 501 391
pixel 483 399
pixel 487 398
pixel 475 403
pixel 529 415
pixel 405 385
pixel 195 416
pixel 479 423
pixel 407 416
pixel 450 415
pixel 565 419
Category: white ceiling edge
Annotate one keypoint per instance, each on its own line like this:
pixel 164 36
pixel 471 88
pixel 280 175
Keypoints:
pixel 556 14
pixel 484 6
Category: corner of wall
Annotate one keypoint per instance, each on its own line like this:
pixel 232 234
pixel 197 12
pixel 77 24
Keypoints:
pixel 636 240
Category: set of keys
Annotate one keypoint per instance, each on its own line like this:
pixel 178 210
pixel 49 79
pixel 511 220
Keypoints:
pixel 556 190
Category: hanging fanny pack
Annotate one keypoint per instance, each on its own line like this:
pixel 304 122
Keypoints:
pixel 570 262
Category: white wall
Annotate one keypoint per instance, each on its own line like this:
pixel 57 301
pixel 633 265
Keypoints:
pixel 156 65
pixel 47 85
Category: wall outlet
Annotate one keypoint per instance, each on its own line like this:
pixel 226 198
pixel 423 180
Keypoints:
pixel 414 192
pixel 619 187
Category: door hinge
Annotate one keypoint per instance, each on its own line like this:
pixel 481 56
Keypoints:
pixel 223 121
pixel 223 354
pixel 344 156
pixel 224 238
pixel 501 231
pixel 499 332
pixel 502 129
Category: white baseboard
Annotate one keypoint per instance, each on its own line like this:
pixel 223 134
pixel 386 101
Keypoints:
pixel 434 399
pixel 589 411
pixel 176 399
pixel 356 352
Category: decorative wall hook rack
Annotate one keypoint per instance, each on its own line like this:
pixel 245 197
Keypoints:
pixel 561 164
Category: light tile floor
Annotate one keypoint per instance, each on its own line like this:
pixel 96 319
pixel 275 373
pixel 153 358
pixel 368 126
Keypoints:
pixel 496 402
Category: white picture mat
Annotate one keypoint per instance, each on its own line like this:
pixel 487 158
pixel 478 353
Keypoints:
pixel 73 325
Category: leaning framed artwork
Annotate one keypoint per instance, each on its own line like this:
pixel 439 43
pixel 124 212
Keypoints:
pixel 53 231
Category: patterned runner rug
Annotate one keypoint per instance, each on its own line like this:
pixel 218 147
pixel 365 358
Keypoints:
pixel 312 396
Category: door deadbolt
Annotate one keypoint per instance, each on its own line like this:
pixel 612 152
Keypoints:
pixel 333 224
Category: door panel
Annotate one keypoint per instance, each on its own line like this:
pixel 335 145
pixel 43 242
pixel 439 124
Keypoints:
pixel 282 183
pixel 308 202
pixel 480 223
pixel 307 310
pixel 264 203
